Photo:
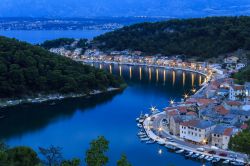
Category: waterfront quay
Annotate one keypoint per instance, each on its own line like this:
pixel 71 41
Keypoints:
pixel 202 124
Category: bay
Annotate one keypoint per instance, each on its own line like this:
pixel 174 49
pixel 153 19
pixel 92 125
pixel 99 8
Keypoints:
pixel 73 123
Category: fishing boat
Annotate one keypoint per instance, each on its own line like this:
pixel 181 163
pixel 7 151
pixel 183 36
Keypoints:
pixel 237 163
pixel 202 156
pixel 170 147
pixel 226 162
pixel 145 139
pixel 210 159
pixel 189 154
pixel 141 120
pixel 150 142
pixel 139 125
pixel 206 157
pixel 141 133
pixel 161 143
pixel 143 136
pixel 179 151
pixel 215 160
pixel 195 155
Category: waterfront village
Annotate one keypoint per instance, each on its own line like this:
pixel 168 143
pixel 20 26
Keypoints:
pixel 202 124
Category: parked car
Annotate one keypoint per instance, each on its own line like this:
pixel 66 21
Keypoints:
pixel 212 152
pixel 223 154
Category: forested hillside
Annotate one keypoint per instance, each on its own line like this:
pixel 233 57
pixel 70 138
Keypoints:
pixel 28 70
pixel 201 37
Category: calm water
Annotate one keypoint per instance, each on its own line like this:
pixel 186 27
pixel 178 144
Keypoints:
pixel 40 36
pixel 73 123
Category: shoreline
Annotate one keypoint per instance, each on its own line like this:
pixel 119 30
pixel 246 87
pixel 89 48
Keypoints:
pixel 52 97
pixel 147 65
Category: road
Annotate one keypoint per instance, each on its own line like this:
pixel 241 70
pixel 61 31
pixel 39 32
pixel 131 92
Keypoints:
pixel 161 135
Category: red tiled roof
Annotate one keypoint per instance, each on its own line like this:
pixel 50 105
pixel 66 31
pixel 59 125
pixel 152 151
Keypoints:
pixel 244 126
pixel 190 123
pixel 233 103
pixel 221 110
pixel 172 113
pixel 182 109
pixel 192 113
pixel 205 101
pixel 228 131
pixel 238 87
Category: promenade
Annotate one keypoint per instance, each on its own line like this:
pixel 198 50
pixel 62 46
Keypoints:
pixel 153 123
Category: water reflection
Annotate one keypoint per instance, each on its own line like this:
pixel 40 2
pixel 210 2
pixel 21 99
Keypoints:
pixel 173 78
pixel 120 71
pixel 29 118
pixel 164 77
pixel 192 75
pixel 110 69
pixel 130 72
pixel 183 78
pixel 140 73
pixel 150 74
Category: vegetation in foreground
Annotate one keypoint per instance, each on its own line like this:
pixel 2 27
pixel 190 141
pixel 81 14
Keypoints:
pixel 241 141
pixel 201 37
pixel 27 70
pixel 243 75
pixel 52 156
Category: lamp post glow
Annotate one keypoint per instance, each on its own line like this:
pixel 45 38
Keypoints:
pixel 171 102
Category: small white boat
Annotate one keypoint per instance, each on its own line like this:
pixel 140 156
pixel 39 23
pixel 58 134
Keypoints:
pixel 202 156
pixel 139 125
pixel 237 163
pixel 161 143
pixel 141 133
pixel 210 159
pixel 137 119
pixel 215 160
pixel 145 139
pixel 150 142
pixel 189 154
pixel 170 147
pixel 179 151
pixel 206 157
pixel 141 120
pixel 226 162
pixel 143 136
pixel 195 155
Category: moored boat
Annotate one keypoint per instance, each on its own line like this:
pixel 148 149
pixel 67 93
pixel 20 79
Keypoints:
pixel 179 151
pixel 226 162
pixel 189 154
pixel 201 156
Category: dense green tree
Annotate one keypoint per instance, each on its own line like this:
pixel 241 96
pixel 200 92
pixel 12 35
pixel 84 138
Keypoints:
pixel 27 70
pixel 243 75
pixel 241 142
pixel 52 155
pixel 22 156
pixel 57 43
pixel 200 37
pixel 95 156
pixel 73 162
pixel 123 161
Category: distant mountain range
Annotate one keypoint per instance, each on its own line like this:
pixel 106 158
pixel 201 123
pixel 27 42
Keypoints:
pixel 96 8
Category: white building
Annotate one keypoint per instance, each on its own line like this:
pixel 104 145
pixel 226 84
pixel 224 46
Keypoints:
pixel 236 91
pixel 221 136
pixel 197 131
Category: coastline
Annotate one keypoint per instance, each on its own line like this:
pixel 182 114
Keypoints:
pixel 51 97
pixel 138 64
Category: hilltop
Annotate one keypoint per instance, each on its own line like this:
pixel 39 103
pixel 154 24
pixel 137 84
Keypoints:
pixel 27 70
pixel 201 37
